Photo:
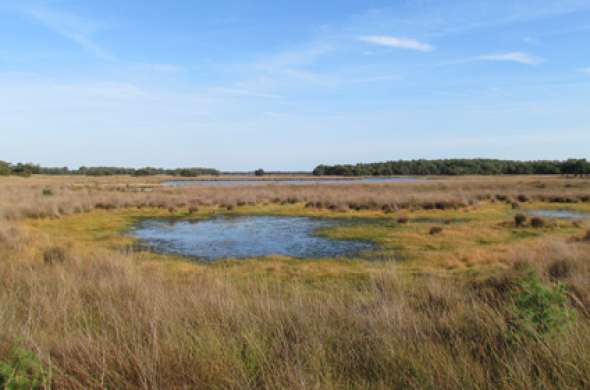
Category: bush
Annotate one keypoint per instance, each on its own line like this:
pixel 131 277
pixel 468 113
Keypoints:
pixel 54 255
pixel 515 205
pixel 537 222
pixel 402 219
pixel 560 269
pixel 539 310
pixel 436 230
pixel 522 198
pixel 21 370
pixel 587 236
pixel 520 220
pixel 259 172
pixel 47 192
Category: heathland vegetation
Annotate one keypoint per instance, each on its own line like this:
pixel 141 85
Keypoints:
pixel 465 290
pixel 454 167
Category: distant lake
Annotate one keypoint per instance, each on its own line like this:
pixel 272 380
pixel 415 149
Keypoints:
pixel 250 182
pixel 244 237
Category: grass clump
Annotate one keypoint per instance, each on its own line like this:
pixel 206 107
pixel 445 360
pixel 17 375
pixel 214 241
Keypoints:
pixel 435 230
pixel 540 311
pixel 21 370
pixel 537 222
pixel 402 219
pixel 47 192
pixel 54 255
pixel 520 220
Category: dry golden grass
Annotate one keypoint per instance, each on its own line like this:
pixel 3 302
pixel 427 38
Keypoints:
pixel 97 318
pixel 23 197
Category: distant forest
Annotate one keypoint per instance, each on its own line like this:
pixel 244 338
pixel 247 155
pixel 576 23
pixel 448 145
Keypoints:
pixel 455 167
pixel 28 169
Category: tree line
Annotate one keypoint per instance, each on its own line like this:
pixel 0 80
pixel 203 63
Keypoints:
pixel 455 167
pixel 28 169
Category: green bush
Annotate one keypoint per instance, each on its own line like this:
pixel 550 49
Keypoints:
pixel 21 369
pixel 539 310
pixel 47 192
pixel 520 219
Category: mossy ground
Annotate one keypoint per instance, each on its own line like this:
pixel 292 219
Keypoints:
pixel 475 239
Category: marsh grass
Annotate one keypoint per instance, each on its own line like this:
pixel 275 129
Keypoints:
pixel 100 317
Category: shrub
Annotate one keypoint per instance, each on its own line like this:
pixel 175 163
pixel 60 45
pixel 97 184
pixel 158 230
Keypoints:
pixel 192 210
pixel 520 219
pixel 539 310
pixel 21 370
pixel 560 269
pixel 47 192
pixel 537 222
pixel 387 209
pixel 522 198
pixel 436 230
pixel 54 255
pixel 515 205
pixel 402 219
pixel 587 236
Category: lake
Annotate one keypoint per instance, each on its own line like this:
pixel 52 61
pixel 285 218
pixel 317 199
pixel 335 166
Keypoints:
pixel 244 237
pixel 247 182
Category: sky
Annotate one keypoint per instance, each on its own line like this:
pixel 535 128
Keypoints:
pixel 287 85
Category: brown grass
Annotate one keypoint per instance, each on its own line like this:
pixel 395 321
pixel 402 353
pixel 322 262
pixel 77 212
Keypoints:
pixel 108 321
pixel 97 318
pixel 23 197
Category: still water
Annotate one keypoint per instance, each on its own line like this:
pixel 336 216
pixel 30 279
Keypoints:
pixel 559 214
pixel 241 182
pixel 243 237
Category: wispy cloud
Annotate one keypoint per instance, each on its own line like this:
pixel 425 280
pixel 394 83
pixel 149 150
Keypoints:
pixel 70 26
pixel 517 56
pixel 397 42
pixel 586 70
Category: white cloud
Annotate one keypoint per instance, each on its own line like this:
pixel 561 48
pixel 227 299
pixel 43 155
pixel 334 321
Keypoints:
pixel 517 56
pixel 397 42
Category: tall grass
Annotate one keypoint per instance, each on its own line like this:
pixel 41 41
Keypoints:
pixel 96 318
pixel 107 320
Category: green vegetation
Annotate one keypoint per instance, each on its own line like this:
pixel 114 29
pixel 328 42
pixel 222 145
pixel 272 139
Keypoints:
pixel 455 167
pixel 259 172
pixel 21 370
pixel 29 169
pixel 540 311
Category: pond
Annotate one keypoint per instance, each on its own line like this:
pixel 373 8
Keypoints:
pixel 250 182
pixel 560 214
pixel 244 236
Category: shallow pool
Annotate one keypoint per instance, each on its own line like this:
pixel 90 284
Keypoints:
pixel 559 214
pixel 243 237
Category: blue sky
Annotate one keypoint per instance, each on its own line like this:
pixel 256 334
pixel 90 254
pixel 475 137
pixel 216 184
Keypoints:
pixel 291 84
